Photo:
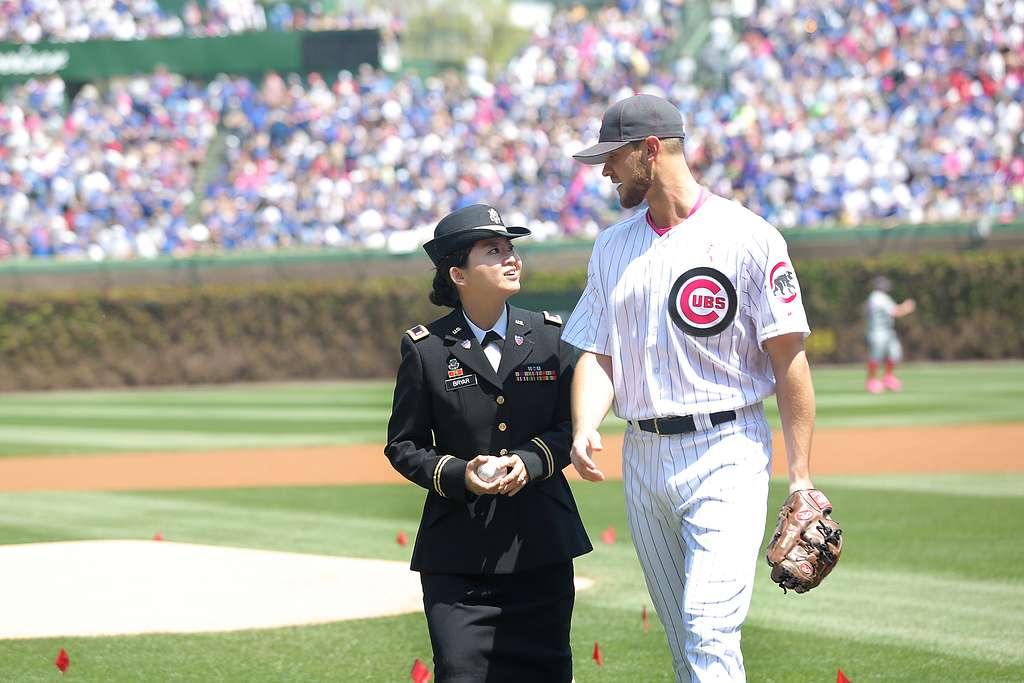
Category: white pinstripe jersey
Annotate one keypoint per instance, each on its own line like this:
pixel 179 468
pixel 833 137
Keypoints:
pixel 683 315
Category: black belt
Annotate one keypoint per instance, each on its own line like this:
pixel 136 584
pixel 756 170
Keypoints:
pixel 682 424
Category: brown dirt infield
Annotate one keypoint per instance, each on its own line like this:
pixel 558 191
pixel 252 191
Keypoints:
pixel 970 448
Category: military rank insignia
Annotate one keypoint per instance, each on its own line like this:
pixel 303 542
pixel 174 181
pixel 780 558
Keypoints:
pixel 535 373
pixel 418 332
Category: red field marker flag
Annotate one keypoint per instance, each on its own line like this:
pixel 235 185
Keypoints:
pixel 401 539
pixel 644 619
pixel 841 677
pixel 62 661
pixel 608 535
pixel 158 536
pixel 597 654
pixel 420 673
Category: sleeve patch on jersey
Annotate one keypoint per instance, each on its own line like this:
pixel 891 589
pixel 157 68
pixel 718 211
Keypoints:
pixel 782 282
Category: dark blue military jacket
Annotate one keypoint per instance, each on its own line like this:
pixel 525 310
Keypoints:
pixel 450 406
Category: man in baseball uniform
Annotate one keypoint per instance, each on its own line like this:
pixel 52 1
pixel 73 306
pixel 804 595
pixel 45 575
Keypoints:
pixel 691 317
pixel 884 348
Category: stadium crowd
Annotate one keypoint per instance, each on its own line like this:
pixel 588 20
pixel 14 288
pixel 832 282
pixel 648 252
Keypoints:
pixel 72 21
pixel 110 177
pixel 810 113
pixel 855 111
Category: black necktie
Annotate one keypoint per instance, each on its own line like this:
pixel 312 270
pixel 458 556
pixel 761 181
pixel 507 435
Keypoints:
pixel 493 337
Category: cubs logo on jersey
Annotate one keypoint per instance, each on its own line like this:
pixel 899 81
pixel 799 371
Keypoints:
pixel 782 281
pixel 702 302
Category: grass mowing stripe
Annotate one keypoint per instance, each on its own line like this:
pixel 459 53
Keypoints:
pixel 928 371
pixel 954 485
pixel 901 401
pixel 312 392
pixel 149 439
pixel 260 396
pixel 904 607
pixel 365 651
pixel 251 414
pixel 199 421
pixel 845 392
pixel 997 415
pixel 769 655
pixel 65 516
pixel 201 424
pixel 17 449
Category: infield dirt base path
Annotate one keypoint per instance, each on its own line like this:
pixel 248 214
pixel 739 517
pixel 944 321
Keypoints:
pixel 971 448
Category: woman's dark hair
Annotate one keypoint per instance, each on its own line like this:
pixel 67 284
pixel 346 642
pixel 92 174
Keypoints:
pixel 443 292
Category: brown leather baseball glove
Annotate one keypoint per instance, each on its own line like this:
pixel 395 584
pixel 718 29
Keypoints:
pixel 807 542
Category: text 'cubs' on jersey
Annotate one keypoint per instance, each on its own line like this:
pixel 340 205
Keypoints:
pixel 683 315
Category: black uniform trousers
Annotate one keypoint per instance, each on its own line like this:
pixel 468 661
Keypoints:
pixel 501 628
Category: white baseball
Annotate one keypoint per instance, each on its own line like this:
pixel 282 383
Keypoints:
pixel 489 471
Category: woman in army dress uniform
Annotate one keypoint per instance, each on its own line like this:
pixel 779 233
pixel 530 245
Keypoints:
pixel 489 383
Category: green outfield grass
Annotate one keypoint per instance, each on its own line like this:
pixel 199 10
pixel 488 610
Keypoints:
pixel 282 415
pixel 930 588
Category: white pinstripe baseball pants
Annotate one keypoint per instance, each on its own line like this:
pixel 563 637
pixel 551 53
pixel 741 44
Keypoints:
pixel 696 505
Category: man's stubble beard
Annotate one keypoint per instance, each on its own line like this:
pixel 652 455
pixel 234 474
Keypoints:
pixel 633 192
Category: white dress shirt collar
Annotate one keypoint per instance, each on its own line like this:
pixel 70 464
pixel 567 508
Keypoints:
pixel 500 327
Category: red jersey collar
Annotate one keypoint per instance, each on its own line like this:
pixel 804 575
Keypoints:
pixel 704 194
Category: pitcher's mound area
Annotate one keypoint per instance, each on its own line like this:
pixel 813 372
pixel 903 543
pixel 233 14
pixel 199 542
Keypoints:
pixel 97 588
pixel 93 588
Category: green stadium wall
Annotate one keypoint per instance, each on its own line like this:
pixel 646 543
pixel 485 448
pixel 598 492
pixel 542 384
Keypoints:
pixel 326 265
pixel 243 53
pixel 970 306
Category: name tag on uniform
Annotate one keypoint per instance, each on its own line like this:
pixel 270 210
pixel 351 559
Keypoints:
pixel 460 382
pixel 535 373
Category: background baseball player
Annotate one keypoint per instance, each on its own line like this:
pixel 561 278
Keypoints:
pixel 880 312
pixel 691 317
